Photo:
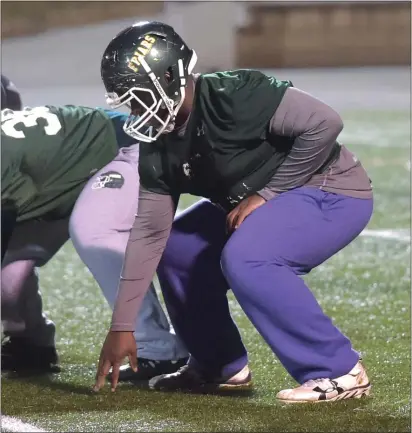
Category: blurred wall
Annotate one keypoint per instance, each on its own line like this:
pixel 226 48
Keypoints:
pixel 23 18
pixel 244 34
pixel 299 34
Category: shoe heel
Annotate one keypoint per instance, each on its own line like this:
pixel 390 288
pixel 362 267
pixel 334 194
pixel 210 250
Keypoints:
pixel 367 392
pixel 364 393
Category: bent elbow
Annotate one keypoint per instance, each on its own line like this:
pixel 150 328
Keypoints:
pixel 335 123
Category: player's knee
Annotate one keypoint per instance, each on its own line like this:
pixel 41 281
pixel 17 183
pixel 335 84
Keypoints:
pixel 234 259
pixel 19 280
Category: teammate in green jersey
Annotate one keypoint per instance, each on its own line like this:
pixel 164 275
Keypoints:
pixel 10 98
pixel 49 155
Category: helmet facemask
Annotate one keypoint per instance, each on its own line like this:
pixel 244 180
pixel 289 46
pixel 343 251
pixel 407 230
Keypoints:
pixel 158 111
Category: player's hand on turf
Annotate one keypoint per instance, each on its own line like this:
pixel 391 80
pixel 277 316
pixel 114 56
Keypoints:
pixel 117 346
pixel 243 210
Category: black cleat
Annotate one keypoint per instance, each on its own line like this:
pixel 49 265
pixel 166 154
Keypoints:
pixel 19 355
pixel 148 368
pixel 187 379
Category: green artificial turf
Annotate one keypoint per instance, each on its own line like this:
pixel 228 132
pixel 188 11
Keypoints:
pixel 365 289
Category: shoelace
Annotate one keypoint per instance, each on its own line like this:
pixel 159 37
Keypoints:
pixel 191 373
pixel 326 385
pixel 152 364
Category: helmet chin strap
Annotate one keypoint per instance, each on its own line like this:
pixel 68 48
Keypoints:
pixel 182 89
pixel 192 62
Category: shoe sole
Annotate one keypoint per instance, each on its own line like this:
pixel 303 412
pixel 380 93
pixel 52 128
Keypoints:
pixel 210 388
pixel 357 393
pixel 233 386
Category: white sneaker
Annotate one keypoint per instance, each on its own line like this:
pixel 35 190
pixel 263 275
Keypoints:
pixel 355 384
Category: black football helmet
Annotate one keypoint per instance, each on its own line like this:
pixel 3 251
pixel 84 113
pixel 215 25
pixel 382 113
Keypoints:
pixel 10 96
pixel 146 67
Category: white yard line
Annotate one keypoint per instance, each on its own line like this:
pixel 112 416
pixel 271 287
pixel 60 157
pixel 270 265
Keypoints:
pixel 396 235
pixel 11 424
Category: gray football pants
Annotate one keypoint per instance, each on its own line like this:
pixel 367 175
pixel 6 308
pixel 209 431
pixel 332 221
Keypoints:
pixel 99 229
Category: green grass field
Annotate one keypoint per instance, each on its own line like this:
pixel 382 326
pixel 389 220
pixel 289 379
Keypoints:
pixel 365 289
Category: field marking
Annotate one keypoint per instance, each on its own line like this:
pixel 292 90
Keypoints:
pixel 11 424
pixel 397 235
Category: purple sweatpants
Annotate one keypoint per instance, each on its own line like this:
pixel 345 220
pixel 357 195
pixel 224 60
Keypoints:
pixel 261 263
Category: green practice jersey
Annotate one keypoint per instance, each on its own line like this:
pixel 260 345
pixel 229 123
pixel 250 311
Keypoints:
pixel 49 153
pixel 226 152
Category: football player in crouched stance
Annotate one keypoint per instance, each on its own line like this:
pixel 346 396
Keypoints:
pixel 49 155
pixel 281 197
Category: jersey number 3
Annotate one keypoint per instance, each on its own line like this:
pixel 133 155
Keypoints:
pixel 28 118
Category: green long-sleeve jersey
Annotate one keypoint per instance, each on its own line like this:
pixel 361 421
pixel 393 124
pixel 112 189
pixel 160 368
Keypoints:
pixel 49 153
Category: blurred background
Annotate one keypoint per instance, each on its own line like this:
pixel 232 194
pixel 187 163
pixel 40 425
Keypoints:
pixel 52 50
pixel 355 56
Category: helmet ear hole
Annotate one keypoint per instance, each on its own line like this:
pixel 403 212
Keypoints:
pixel 169 75
pixel 134 105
